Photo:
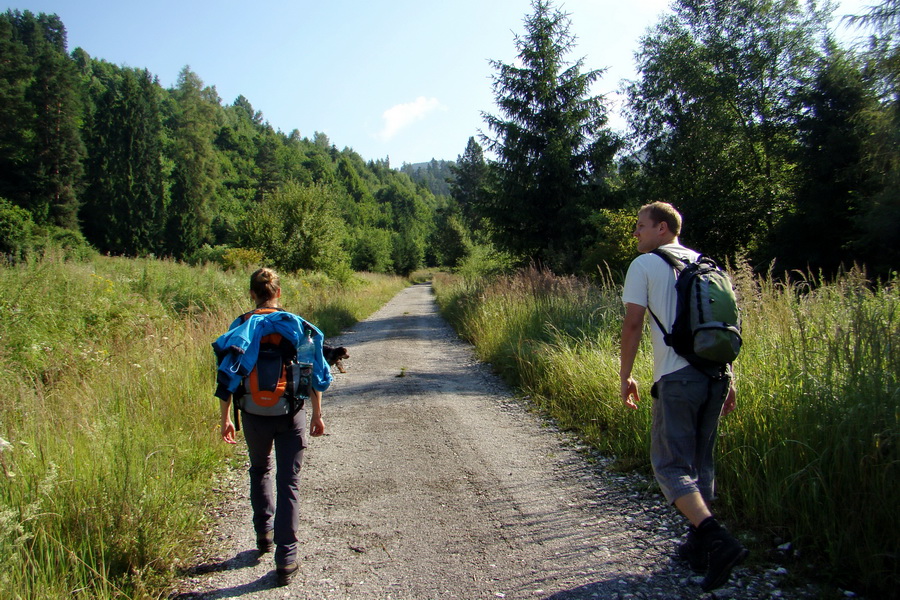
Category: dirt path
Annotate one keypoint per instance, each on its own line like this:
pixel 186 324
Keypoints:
pixel 434 482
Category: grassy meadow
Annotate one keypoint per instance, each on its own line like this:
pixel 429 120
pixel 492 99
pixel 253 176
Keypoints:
pixel 811 454
pixel 110 444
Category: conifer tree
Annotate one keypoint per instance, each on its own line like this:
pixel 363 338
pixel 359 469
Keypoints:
pixel 43 99
pixel 16 112
pixel 833 178
pixel 194 175
pixel 123 207
pixel 879 216
pixel 469 180
pixel 550 138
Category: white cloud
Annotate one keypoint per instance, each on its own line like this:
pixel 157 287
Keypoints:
pixel 402 116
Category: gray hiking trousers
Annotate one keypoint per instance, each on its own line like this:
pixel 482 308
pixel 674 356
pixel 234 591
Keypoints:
pixel 278 512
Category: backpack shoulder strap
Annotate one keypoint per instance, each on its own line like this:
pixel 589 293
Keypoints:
pixel 676 262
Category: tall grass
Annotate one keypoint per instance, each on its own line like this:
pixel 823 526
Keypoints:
pixel 811 454
pixel 107 377
pixel 818 427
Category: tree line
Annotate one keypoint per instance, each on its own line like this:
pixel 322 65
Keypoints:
pixel 90 151
pixel 776 143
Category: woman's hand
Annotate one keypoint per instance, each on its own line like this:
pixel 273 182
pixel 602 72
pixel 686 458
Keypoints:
pixel 228 431
pixel 730 401
pixel 316 425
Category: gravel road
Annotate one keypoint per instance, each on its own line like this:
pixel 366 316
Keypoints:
pixel 435 482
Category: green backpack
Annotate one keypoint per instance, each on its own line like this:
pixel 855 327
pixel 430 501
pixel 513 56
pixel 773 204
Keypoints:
pixel 707 327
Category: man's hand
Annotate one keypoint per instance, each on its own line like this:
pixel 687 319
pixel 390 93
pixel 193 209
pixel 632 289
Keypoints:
pixel 730 401
pixel 630 394
pixel 631 339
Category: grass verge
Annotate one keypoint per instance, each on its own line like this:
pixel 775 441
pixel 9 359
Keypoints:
pixel 812 453
pixel 108 424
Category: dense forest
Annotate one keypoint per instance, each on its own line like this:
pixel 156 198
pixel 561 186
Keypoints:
pixel 777 144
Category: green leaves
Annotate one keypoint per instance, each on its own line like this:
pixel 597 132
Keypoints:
pixel 715 109
pixel 15 230
pixel 297 228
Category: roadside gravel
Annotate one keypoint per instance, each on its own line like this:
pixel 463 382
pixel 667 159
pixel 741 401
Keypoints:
pixel 434 481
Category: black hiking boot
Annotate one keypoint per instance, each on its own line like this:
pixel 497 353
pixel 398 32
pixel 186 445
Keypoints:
pixel 724 553
pixel 264 542
pixel 285 573
pixel 691 552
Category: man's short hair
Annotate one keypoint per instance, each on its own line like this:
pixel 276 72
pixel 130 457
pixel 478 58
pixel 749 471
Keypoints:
pixel 663 212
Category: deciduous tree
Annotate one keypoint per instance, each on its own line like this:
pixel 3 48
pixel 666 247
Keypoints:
pixel 298 227
pixel 715 113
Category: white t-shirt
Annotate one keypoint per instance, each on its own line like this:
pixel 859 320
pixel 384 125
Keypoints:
pixel 650 282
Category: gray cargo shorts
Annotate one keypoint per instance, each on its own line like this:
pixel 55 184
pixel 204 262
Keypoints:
pixel 687 405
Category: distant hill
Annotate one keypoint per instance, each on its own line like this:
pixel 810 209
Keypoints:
pixel 433 175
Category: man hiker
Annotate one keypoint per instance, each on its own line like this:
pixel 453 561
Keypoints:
pixel 687 401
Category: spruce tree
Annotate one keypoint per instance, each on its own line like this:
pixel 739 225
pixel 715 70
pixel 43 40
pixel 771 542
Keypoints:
pixel 468 181
pixel 195 169
pixel 43 97
pixel 879 217
pixel 124 203
pixel 16 112
pixel 550 139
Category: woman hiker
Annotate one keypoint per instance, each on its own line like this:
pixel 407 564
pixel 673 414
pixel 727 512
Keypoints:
pixel 250 352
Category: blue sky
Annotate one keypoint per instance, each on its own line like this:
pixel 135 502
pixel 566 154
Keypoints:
pixel 406 80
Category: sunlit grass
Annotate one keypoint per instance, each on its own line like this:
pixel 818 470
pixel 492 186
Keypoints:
pixel 108 413
pixel 811 455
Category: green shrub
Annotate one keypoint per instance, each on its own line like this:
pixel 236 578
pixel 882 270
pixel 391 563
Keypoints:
pixel 72 244
pixel 297 228
pixel 241 258
pixel 15 230
pixel 613 249
pixel 208 254
pixel 484 260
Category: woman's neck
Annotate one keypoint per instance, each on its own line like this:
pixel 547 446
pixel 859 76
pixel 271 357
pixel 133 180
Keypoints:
pixel 269 304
